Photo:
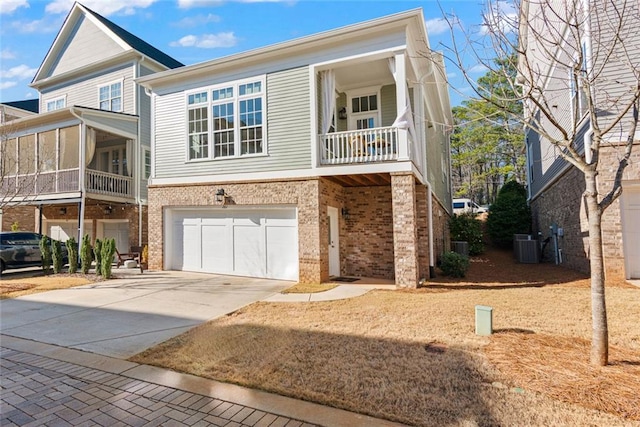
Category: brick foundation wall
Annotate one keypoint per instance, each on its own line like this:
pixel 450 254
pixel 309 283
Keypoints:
pixel 563 204
pixel 367 247
pixel 405 230
pixel 441 238
pixel 25 216
pixel 305 194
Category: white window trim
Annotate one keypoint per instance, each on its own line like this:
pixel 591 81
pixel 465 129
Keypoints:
pixel 360 92
pixel 122 155
pixel 236 100
pixel 55 100
pixel 101 85
pixel 146 152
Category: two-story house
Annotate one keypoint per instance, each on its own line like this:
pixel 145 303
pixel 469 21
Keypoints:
pixel 597 55
pixel 318 157
pixel 80 166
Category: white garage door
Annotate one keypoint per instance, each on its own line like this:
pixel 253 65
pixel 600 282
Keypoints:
pixel 62 230
pixel 243 242
pixel 630 205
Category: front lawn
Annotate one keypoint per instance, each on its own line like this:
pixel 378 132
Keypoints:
pixel 18 287
pixel 413 357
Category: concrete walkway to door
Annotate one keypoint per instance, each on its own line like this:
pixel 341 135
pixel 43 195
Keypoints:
pixel 123 317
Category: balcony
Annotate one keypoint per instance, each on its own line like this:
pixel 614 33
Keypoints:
pixel 67 181
pixel 359 146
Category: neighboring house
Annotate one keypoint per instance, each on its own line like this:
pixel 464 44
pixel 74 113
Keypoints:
pixel 81 165
pixel 17 109
pixel 318 157
pixel 555 187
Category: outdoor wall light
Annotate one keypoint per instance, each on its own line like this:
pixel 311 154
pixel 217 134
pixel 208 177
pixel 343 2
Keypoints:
pixel 63 211
pixel 342 114
pixel 345 213
pixel 108 210
pixel 220 195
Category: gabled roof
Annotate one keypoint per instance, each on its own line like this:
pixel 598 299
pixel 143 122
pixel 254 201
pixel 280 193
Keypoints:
pixel 126 40
pixel 137 43
pixel 32 105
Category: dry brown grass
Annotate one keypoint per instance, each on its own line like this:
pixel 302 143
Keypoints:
pixel 309 288
pixel 413 357
pixel 18 287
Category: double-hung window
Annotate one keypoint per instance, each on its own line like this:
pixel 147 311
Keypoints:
pixel 231 116
pixel 198 123
pixel 111 96
pixel 56 104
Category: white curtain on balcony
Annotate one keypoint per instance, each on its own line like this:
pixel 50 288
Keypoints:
pixel 328 87
pixel 91 145
pixel 405 119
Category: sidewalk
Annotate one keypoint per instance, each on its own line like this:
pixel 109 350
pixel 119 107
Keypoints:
pixel 339 292
pixel 44 384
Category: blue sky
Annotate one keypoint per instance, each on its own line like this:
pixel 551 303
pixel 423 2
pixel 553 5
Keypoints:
pixel 193 31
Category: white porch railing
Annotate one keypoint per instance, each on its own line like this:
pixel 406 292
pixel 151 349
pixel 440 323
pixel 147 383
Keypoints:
pixel 109 184
pixel 41 183
pixel 359 146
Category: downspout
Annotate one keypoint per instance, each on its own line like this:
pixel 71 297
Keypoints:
pixel 81 173
pixel 432 264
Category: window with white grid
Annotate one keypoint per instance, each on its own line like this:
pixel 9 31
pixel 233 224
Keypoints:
pixel 198 125
pixel 236 120
pixel 111 96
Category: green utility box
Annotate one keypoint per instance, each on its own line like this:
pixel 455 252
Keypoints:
pixel 484 320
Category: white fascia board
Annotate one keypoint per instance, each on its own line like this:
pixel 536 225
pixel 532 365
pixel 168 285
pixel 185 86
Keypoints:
pixel 104 28
pixel 125 58
pixel 301 44
pixel 323 171
pixel 50 199
pixel 69 21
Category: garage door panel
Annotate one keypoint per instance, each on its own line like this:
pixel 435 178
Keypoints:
pixel 216 248
pixel 191 247
pixel 282 261
pixel 248 251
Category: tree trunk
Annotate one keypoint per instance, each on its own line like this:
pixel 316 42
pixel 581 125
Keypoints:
pixel 600 331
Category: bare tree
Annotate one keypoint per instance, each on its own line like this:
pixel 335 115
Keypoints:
pixel 578 65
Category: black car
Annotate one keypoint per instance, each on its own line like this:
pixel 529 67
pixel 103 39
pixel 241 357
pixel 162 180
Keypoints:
pixel 22 249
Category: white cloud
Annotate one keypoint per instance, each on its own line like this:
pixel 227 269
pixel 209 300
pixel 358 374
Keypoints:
pixel 207 41
pixel 437 26
pixel 451 75
pixel 8 6
pixel 194 21
pixel 500 16
pixel 7 85
pixel 7 54
pixel 20 72
pixel 45 25
pixel 478 68
pixel 106 8
pixel 188 4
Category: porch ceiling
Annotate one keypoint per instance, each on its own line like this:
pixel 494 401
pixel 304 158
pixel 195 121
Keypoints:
pixel 363 74
pixel 362 180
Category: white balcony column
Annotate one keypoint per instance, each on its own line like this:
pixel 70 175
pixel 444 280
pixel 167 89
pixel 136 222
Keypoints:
pixel 401 102
pixel 82 180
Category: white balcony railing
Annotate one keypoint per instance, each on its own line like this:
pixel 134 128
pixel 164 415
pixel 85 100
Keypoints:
pixel 109 184
pixel 66 181
pixel 359 146
pixel 61 181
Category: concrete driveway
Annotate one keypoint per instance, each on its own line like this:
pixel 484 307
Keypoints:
pixel 122 317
